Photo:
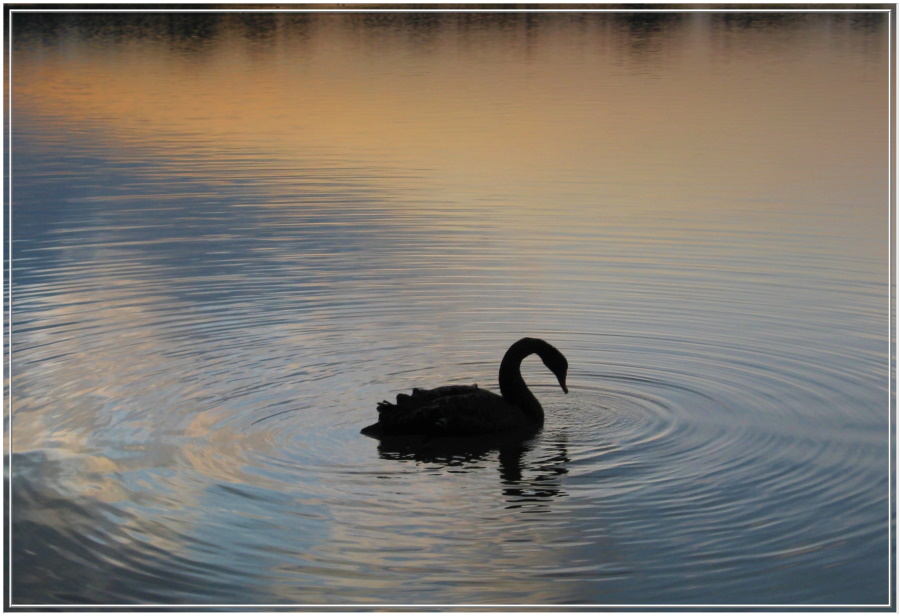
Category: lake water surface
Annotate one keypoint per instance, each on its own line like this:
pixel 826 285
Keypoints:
pixel 233 234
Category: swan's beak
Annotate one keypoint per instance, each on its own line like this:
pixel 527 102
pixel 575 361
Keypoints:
pixel 562 383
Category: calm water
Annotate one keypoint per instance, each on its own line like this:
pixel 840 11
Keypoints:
pixel 232 235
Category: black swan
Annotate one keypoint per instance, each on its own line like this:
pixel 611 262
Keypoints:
pixel 464 410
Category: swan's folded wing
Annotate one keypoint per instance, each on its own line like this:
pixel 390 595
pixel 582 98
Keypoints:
pixel 468 410
pixel 425 396
pixel 476 412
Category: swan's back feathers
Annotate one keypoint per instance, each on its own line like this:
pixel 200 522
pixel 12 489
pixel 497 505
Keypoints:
pixel 451 410
pixel 421 397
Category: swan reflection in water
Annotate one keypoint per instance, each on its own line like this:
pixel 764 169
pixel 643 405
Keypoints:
pixel 524 481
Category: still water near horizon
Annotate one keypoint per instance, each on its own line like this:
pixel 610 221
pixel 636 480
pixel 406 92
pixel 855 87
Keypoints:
pixel 232 235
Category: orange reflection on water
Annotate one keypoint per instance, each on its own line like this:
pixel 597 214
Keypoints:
pixel 509 113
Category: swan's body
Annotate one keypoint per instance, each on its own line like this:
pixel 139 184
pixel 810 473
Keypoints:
pixel 462 410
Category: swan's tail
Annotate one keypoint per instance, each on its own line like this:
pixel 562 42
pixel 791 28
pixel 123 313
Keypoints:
pixel 375 430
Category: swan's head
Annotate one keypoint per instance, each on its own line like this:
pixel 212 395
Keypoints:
pixel 556 362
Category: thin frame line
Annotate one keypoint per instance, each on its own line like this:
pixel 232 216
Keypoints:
pixel 460 10
pixel 8 271
pixel 426 10
pixel 891 291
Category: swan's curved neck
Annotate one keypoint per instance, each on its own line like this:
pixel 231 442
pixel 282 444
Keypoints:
pixel 512 385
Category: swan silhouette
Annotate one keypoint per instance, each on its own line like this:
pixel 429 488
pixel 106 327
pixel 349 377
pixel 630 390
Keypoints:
pixel 466 410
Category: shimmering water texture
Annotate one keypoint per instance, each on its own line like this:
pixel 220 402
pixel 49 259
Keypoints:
pixel 234 234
